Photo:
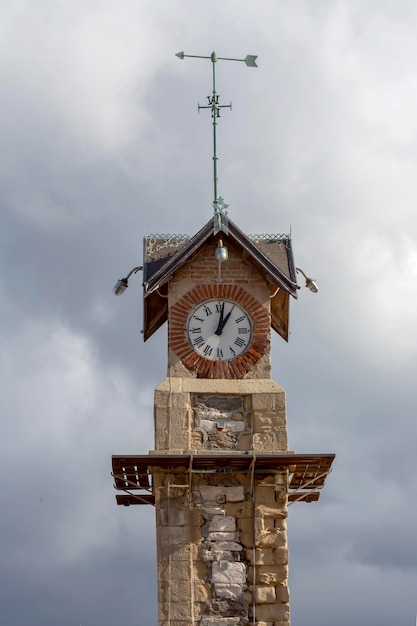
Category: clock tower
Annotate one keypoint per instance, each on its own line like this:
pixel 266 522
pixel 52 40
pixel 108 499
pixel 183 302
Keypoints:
pixel 221 476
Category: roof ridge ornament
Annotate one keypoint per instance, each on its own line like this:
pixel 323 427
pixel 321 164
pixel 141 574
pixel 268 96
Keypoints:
pixel 220 219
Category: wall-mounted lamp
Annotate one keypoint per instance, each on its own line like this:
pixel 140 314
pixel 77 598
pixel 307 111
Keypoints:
pixel 310 282
pixel 122 285
pixel 221 254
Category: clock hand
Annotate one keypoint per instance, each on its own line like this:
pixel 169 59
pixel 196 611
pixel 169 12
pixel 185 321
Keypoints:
pixel 218 331
pixel 226 319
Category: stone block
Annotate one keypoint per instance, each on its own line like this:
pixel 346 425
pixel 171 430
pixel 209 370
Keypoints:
pixel 228 573
pixel 196 534
pixel 222 523
pixel 241 478
pixel 235 494
pixel 219 536
pixel 213 552
pixel 281 524
pixel 262 556
pixel 212 493
pixel 219 494
pixel 180 552
pixel 266 539
pixel 210 511
pixel 264 420
pixel 180 571
pixel 263 523
pixel 196 518
pixel 282 594
pixel 200 570
pixel 281 556
pixel 175 610
pixel 281 479
pixel 202 592
pixel 173 535
pixel 269 401
pixel 263 511
pixel 161 415
pixel 280 539
pixel 264 442
pixel 269 574
pixel 196 440
pixel 248 597
pixel 174 591
pixel 246 539
pixel 273 612
pixel 245 525
pixel 231 546
pixel 245 442
pixel 175 495
pixel 264 595
pixel 231 591
pixel 180 399
pixel 161 439
pixel 247 403
pixel 265 495
pixel 219 621
pixel 239 509
pixel 172 516
pixel 161 398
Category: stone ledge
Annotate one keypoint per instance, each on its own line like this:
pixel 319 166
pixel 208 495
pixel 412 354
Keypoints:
pixel 244 387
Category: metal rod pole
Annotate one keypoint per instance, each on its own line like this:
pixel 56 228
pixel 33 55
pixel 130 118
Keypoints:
pixel 214 113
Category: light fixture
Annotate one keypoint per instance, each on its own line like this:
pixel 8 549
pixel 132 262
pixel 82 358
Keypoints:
pixel 122 284
pixel 221 254
pixel 310 282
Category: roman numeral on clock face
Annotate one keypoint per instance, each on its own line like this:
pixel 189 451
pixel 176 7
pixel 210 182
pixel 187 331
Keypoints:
pixel 239 342
pixel 199 341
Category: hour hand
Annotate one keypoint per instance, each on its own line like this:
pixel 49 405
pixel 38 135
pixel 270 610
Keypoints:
pixel 220 325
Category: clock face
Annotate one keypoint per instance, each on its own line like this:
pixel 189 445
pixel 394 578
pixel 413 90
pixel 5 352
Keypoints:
pixel 219 330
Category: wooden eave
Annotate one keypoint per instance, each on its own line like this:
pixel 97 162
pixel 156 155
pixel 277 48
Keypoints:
pixel 158 273
pixel 307 473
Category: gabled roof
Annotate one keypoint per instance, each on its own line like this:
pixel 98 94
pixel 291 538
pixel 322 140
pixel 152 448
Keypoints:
pixel 165 255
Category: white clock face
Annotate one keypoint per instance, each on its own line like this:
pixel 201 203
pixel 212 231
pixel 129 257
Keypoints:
pixel 219 330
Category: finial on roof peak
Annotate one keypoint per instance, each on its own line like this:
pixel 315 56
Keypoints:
pixel 220 212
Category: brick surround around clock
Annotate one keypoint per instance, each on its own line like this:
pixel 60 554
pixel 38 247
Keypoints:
pixel 235 368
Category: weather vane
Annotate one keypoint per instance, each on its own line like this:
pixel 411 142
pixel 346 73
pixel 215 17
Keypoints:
pixel 219 205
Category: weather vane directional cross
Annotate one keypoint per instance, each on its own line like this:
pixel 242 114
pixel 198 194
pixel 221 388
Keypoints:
pixel 213 104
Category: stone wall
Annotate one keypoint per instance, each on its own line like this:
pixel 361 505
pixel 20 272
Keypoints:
pixel 222 548
pixel 221 534
pixel 196 415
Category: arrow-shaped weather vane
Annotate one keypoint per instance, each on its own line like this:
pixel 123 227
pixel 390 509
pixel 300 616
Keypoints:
pixel 215 106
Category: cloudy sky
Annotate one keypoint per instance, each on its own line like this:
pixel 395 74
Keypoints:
pixel 101 143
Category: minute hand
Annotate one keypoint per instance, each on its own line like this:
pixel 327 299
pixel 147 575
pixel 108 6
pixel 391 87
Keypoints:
pixel 220 324
pixel 223 323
